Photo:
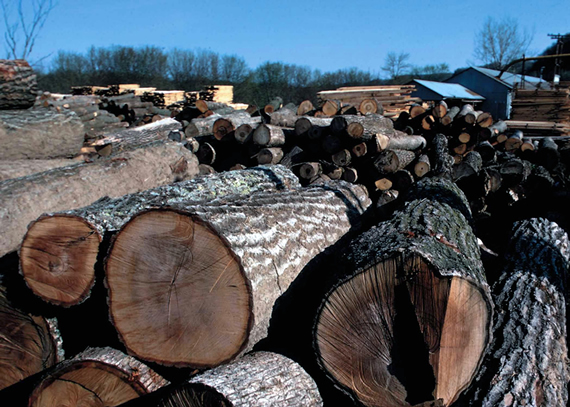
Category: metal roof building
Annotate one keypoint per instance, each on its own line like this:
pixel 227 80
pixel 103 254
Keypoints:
pixel 450 92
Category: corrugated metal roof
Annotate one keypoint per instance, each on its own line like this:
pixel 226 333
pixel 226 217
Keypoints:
pixel 450 90
pixel 510 79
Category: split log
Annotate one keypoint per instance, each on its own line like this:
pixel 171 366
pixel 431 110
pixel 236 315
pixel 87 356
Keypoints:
pixel 528 359
pixel 28 343
pixel 21 168
pixel 412 320
pixel 257 380
pixel 23 199
pixel 268 135
pixel 104 376
pixel 128 139
pixel 69 241
pixel 39 133
pixel 18 84
pixel 226 125
pixel 215 270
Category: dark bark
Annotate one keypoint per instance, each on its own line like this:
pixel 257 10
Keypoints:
pixel 18 84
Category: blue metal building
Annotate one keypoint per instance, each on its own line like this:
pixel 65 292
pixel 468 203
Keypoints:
pixel 451 93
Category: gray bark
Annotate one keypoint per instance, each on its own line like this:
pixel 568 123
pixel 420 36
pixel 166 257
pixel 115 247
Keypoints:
pixel 262 379
pixel 128 139
pixel 271 236
pixel 23 199
pixel 18 84
pixel 268 135
pixel 106 216
pixel 363 127
pixel 39 133
pixel 20 168
pixel 284 118
pixel 304 124
pixel 527 364
pixel 201 127
pixel 227 124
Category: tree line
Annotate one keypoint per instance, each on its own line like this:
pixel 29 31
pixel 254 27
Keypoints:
pixel 193 69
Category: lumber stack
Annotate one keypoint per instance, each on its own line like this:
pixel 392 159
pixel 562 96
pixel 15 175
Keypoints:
pixel 392 98
pixel 218 93
pixel 163 98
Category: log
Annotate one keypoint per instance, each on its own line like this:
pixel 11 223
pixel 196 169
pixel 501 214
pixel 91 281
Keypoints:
pixel 422 166
pixel 201 126
pixel 471 164
pixel 305 107
pixel 310 170
pixel 439 155
pixel 401 141
pixel 20 168
pixel 273 105
pixel 40 134
pixel 362 127
pixel 450 115
pixel 284 117
pixel 28 343
pixel 244 133
pixel 128 139
pixel 368 106
pixel 225 126
pixel 530 327
pixel 439 110
pixel 342 158
pixel 410 321
pixel 204 105
pixel 75 257
pixel 257 380
pixel 389 161
pixel 206 154
pixel 547 154
pixel 24 199
pixel 514 141
pixel 268 135
pixel 110 376
pixel 304 124
pixel 331 107
pixel 18 84
pixel 269 156
pixel 215 270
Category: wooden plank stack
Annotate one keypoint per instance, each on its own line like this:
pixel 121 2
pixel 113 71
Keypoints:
pixel 541 112
pixel 393 98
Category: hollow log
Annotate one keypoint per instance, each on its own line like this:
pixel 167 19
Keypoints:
pixel 39 133
pixel 69 241
pixel 24 199
pixel 104 375
pixel 411 321
pixel 527 363
pixel 18 84
pixel 29 344
pixel 215 270
pixel 128 139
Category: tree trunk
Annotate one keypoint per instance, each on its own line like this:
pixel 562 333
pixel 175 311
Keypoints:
pixel 214 271
pixel 24 199
pixel 18 84
pixel 284 118
pixel 28 344
pixel 111 376
pixel 527 364
pixel 20 168
pixel 393 160
pixel 201 127
pixel 268 135
pixel 304 124
pixel 412 320
pixel 58 240
pixel 362 127
pixel 129 139
pixel 39 133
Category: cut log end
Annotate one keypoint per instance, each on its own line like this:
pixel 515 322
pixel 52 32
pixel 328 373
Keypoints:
pixel 57 259
pixel 399 334
pixel 168 263
pixel 67 393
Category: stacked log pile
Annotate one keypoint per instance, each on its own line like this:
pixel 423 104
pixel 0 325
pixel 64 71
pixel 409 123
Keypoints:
pixel 393 99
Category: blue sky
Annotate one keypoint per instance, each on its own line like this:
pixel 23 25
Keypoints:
pixel 326 35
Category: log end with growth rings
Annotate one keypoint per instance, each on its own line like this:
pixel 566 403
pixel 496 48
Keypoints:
pixel 399 334
pixel 57 258
pixel 171 274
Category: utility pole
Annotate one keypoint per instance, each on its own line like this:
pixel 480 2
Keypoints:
pixel 559 44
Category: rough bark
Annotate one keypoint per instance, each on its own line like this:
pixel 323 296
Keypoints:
pixel 439 155
pixel 113 377
pixel 28 343
pixel 201 127
pixel 393 160
pixel 102 219
pixel 129 139
pixel 527 364
pixel 23 199
pixel 362 127
pixel 39 133
pixel 20 168
pixel 284 118
pixel 411 321
pixel 18 84
pixel 252 249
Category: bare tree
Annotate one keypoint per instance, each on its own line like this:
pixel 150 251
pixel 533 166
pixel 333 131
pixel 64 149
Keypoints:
pixel 23 22
pixel 501 41
pixel 396 64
